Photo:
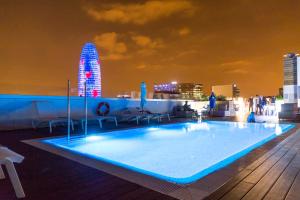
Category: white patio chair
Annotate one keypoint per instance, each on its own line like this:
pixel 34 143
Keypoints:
pixel 7 159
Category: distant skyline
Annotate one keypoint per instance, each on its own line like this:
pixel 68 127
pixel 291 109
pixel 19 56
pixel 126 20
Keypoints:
pixel 201 41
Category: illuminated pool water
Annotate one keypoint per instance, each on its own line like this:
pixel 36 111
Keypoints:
pixel 180 153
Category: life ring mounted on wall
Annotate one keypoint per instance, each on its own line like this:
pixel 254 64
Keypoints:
pixel 103 108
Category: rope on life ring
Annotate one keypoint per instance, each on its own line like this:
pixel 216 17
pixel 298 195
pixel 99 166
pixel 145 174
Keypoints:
pixel 102 112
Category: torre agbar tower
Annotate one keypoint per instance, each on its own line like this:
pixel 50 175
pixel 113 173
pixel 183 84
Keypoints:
pixel 89 71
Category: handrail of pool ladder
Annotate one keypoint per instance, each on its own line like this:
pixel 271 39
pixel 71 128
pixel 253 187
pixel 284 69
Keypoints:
pixel 69 109
pixel 85 108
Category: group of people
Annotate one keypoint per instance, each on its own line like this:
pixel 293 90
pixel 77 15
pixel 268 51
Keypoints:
pixel 258 104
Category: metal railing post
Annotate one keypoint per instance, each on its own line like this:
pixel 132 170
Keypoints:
pixel 69 110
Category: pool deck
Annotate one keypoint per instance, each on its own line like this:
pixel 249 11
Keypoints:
pixel 46 176
pixel 275 175
pixel 271 171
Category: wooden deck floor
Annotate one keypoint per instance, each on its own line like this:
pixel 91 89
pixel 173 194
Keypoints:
pixel 274 176
pixel 47 176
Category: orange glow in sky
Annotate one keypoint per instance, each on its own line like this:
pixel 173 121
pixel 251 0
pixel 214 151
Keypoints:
pixel 203 41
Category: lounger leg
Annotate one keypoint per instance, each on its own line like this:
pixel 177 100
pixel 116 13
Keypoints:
pixel 14 179
pixel 82 124
pixel 50 126
pixel 137 121
pixel 100 123
pixel 116 121
pixel 2 176
pixel 72 125
pixel 33 125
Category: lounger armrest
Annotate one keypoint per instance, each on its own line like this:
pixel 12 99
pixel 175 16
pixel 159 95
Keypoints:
pixel 13 156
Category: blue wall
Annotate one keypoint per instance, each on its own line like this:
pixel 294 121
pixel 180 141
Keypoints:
pixel 18 111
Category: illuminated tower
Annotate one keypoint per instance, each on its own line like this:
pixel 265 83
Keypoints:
pixel 89 71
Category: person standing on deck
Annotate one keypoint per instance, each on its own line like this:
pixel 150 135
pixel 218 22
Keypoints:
pixel 212 102
pixel 256 104
pixel 260 104
pixel 263 105
pixel 250 104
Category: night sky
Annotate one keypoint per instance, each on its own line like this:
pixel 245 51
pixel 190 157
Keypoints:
pixel 203 41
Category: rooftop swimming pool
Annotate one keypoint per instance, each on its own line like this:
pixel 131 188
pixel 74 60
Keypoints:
pixel 180 153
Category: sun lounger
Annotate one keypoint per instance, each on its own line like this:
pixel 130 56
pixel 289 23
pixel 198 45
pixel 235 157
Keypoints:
pixel 100 119
pixel 135 117
pixel 157 116
pixel 160 116
pixel 62 120
pixel 52 122
pixel 131 114
pixel 47 115
pixel 7 159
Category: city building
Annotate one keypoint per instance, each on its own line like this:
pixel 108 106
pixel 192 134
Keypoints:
pixel 190 90
pixel 89 72
pixel 133 95
pixel 176 90
pixel 236 91
pixel 166 91
pixel 229 91
pixel 291 85
pixel 123 96
pixel 280 92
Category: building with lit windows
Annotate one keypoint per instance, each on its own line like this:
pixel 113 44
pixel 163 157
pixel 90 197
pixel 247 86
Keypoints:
pixel 190 90
pixel 280 92
pixel 291 85
pixel 174 90
pixel 89 72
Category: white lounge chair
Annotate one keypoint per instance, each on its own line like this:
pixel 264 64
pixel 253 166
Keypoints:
pixel 157 116
pixel 7 159
pixel 100 119
pixel 46 114
pixel 160 116
pixel 131 114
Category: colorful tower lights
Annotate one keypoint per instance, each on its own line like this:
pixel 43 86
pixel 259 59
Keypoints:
pixel 89 71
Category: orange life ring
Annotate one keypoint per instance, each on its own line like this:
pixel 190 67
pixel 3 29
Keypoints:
pixel 100 109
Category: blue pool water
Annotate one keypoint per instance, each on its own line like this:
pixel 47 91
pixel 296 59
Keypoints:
pixel 180 153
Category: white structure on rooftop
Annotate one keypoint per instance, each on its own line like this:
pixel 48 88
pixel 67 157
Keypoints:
pixel 291 87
